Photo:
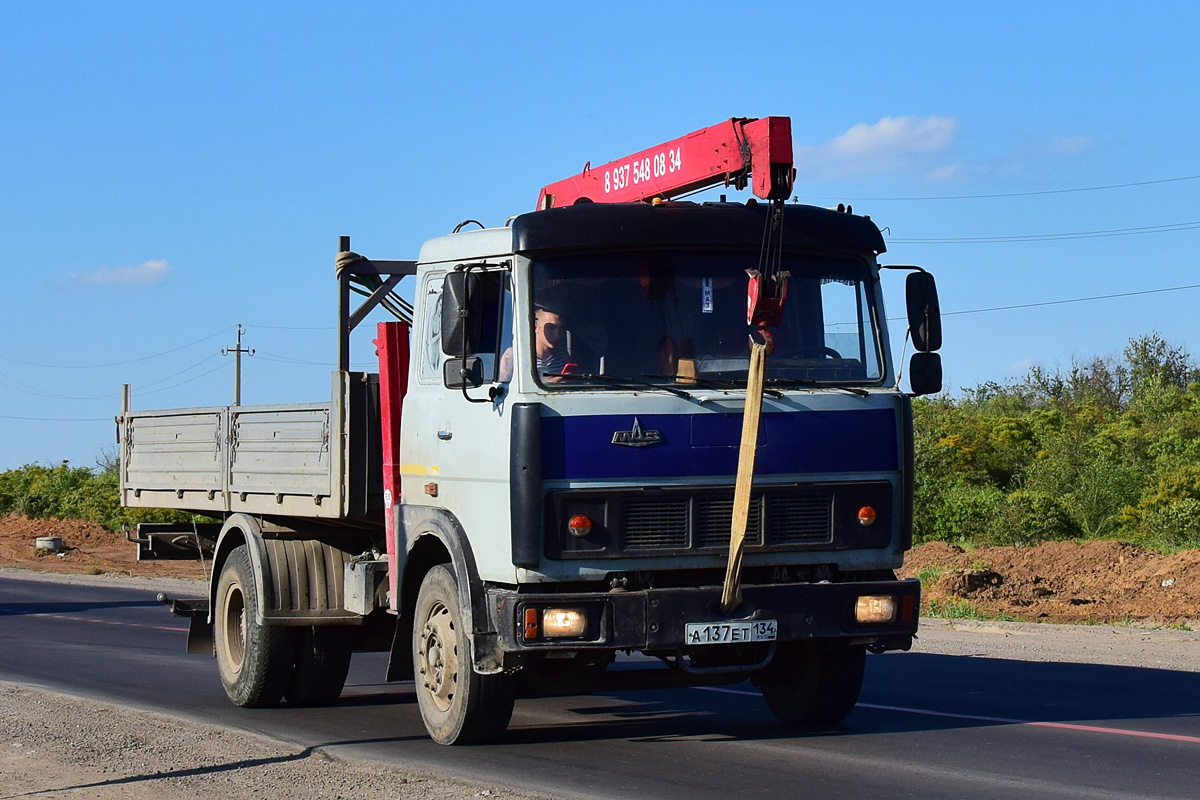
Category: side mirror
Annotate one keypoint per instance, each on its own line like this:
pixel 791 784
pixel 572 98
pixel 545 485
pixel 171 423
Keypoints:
pixel 924 313
pixel 462 314
pixel 925 373
pixel 460 373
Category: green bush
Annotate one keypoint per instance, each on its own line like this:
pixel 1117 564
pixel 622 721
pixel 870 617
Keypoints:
pixel 1027 517
pixel 70 492
pixel 963 513
pixel 1109 448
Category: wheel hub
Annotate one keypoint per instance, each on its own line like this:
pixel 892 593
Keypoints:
pixel 233 629
pixel 438 657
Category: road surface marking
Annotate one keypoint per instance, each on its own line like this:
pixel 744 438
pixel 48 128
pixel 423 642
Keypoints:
pixel 109 622
pixel 1174 737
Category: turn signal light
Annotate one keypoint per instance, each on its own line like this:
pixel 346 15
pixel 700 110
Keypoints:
pixel 866 516
pixel 875 608
pixel 560 623
pixel 580 525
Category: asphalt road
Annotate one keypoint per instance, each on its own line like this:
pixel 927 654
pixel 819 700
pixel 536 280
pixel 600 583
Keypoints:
pixel 927 726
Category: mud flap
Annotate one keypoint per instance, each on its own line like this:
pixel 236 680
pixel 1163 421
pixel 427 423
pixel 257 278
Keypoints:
pixel 200 631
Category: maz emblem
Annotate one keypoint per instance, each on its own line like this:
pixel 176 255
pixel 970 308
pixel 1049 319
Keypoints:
pixel 637 437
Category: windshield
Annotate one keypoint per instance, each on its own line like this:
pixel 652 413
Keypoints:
pixel 680 318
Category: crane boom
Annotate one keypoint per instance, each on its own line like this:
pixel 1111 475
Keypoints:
pixel 732 152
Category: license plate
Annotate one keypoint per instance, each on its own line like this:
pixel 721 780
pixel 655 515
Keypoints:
pixel 762 630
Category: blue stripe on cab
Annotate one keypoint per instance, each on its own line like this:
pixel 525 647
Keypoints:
pixel 706 445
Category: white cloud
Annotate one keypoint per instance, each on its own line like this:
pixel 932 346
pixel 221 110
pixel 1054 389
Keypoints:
pixel 145 274
pixel 1020 367
pixel 1069 145
pixel 945 172
pixel 897 135
pixel 893 144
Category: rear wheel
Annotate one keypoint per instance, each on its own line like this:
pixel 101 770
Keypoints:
pixel 254 660
pixel 322 662
pixel 458 705
pixel 814 684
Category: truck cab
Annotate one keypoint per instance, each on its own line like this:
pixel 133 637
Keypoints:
pixel 580 433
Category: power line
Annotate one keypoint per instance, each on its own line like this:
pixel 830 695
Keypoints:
pixel 1050 237
pixel 1061 302
pixel 9 382
pixel 282 359
pixel 59 419
pixel 118 363
pixel 182 371
pixel 1017 194
pixel 24 388
pixel 220 366
pixel 292 327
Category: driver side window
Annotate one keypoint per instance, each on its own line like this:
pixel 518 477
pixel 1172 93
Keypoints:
pixel 431 335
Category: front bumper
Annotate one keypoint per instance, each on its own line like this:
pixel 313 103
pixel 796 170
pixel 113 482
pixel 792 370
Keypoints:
pixel 655 619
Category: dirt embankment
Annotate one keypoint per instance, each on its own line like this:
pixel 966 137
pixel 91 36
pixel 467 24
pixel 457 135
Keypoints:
pixel 1096 581
pixel 1054 582
pixel 89 549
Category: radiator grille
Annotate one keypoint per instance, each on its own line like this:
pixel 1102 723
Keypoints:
pixel 654 524
pixel 714 519
pixel 705 522
pixel 799 519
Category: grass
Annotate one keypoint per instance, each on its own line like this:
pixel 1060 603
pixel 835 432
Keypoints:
pixel 929 575
pixel 954 609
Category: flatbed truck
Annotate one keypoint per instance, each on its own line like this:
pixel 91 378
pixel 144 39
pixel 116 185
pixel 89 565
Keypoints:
pixel 543 473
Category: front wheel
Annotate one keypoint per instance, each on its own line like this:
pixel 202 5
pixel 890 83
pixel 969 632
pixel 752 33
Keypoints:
pixel 254 660
pixel 814 684
pixel 458 705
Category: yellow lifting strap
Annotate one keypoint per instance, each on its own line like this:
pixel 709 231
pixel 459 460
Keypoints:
pixel 731 596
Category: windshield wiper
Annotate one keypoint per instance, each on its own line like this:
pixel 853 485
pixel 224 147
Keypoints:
pixel 809 383
pixel 713 383
pixel 621 381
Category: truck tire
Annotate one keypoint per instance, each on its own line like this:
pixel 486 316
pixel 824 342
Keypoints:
pixel 254 660
pixel 458 705
pixel 816 684
pixel 322 662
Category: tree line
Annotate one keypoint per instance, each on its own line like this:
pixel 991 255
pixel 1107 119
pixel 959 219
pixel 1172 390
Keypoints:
pixel 1105 449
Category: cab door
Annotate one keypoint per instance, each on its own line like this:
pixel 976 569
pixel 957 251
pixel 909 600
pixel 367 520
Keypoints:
pixel 457 447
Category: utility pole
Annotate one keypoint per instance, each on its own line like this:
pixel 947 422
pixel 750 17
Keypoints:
pixel 237 365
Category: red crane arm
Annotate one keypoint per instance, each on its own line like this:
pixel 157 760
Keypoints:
pixel 728 153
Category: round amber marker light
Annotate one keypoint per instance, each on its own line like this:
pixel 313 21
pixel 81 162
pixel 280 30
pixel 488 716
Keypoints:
pixel 866 516
pixel 580 525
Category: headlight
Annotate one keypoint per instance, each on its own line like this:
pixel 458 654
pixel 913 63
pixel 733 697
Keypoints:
pixel 875 608
pixel 559 623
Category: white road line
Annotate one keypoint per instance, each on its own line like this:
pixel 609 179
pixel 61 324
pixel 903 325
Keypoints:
pixel 1174 737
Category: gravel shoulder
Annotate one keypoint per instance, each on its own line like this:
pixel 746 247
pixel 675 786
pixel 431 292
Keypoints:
pixel 1117 645
pixel 57 745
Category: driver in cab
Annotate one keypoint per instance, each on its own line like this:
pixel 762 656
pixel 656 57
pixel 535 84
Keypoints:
pixel 549 345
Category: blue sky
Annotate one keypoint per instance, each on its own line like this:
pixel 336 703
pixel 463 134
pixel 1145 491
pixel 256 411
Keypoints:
pixel 170 170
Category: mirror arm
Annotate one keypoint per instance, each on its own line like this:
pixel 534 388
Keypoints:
pixel 464 314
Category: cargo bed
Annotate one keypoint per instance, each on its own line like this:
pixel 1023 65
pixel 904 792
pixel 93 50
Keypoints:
pixel 319 460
